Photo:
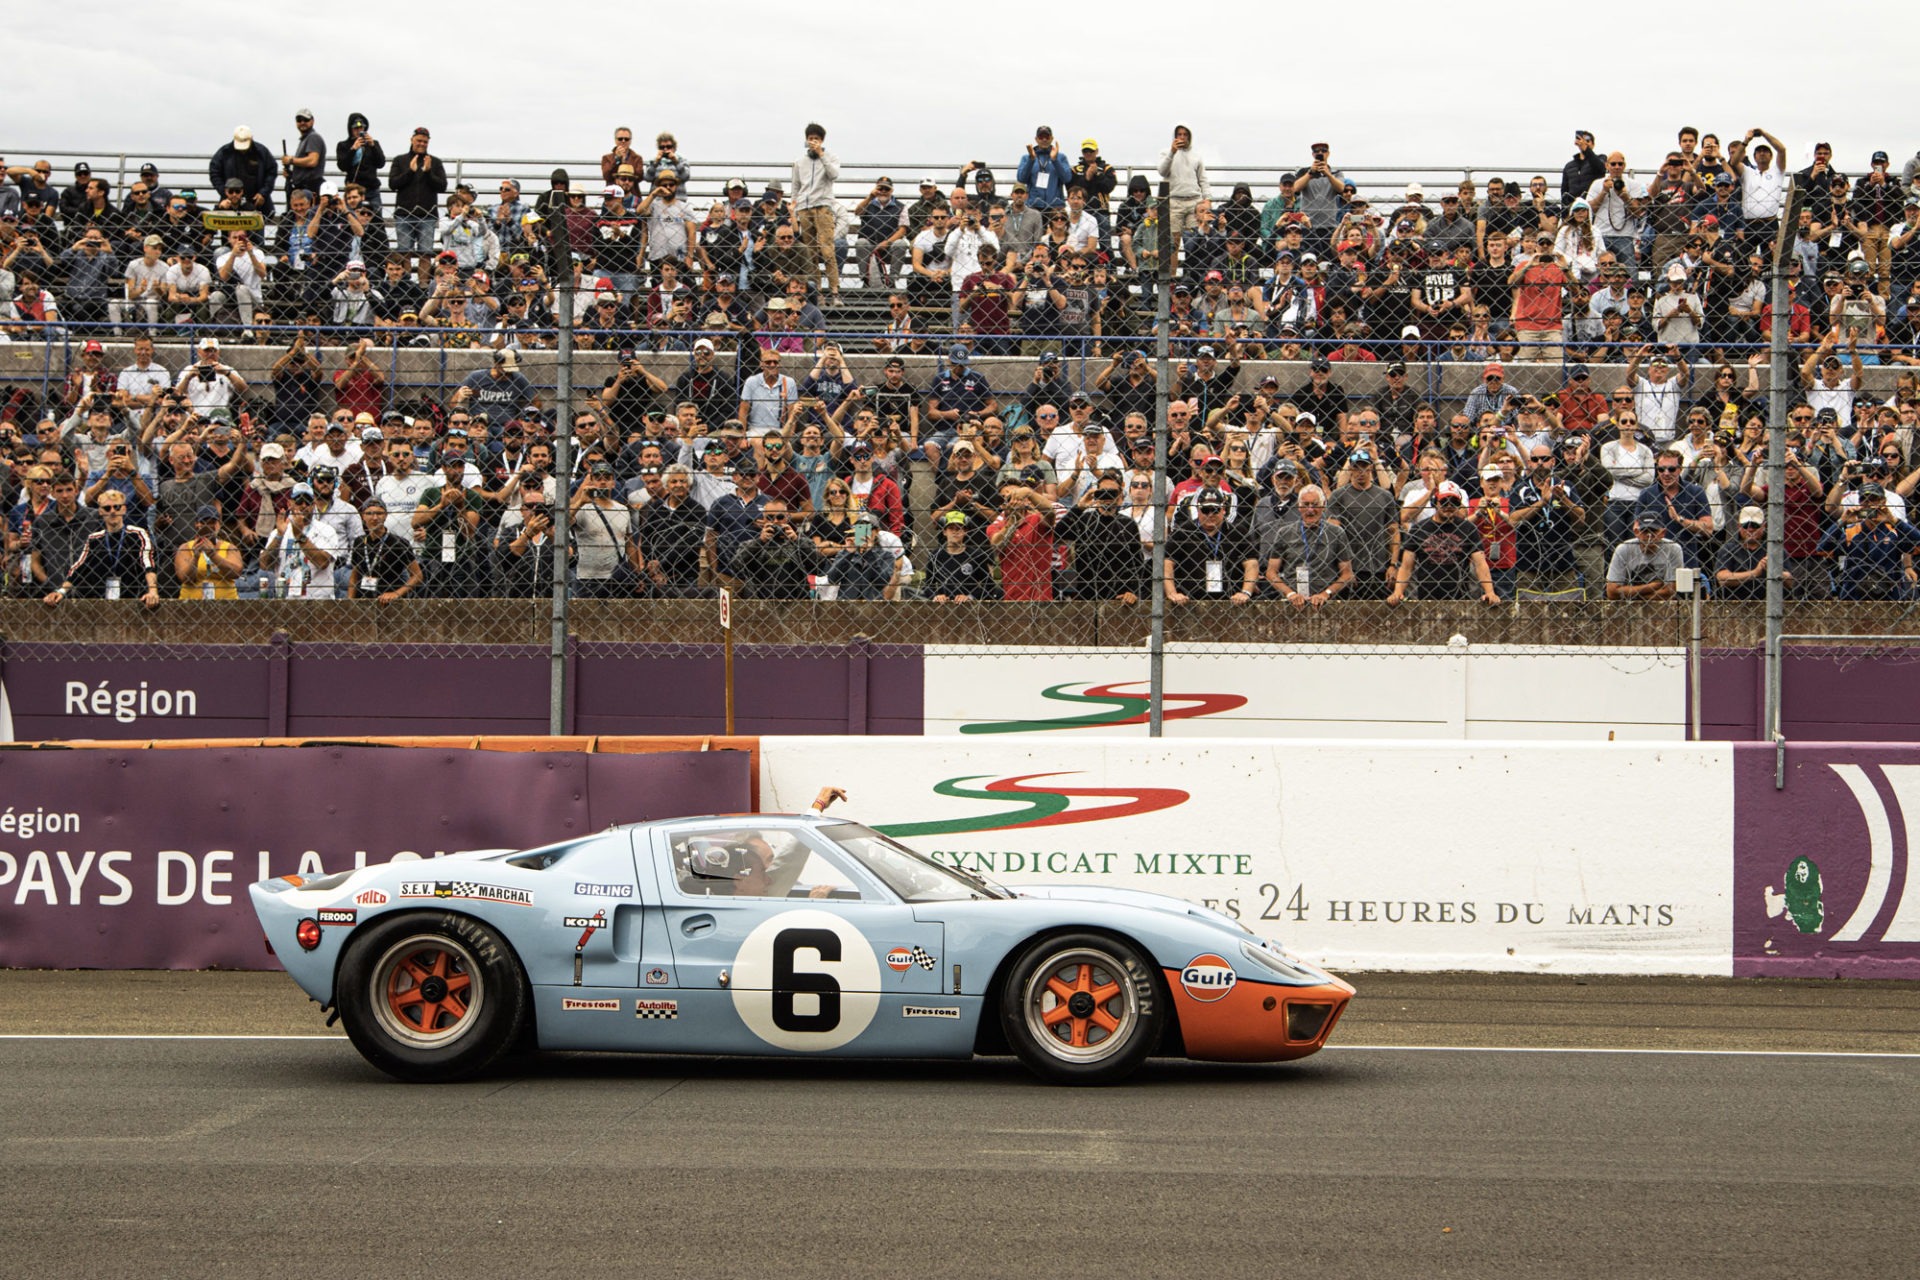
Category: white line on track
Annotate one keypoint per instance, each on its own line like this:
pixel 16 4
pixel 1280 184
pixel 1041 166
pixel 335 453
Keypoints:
pixel 1699 1053
pixel 1333 1048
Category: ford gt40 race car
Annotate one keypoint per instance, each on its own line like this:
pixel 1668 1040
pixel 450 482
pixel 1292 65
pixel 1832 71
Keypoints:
pixel 778 934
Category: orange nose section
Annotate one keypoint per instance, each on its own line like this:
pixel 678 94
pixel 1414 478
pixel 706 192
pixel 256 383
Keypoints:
pixel 1256 1021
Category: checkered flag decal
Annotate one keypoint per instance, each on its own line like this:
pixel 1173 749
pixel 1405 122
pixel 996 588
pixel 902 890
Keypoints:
pixel 657 1011
pixel 924 958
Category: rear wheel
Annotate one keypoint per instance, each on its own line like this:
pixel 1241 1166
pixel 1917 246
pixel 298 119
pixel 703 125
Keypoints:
pixel 431 997
pixel 1082 1008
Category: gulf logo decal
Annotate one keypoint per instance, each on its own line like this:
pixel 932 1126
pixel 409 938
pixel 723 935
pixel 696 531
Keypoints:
pixel 1208 978
pixel 900 959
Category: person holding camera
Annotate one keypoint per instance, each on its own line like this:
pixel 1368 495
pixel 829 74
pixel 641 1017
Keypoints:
pixel 776 561
pixel 1873 549
pixel 863 569
pixel 242 269
pixel 361 159
pixel 210 387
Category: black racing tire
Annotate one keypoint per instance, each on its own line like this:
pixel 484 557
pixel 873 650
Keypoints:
pixel 430 997
pixel 1066 1039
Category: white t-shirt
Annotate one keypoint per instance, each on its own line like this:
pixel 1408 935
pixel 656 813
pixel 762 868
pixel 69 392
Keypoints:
pixel 402 496
pixel 148 280
pixel 963 253
pixel 297 578
pixel 189 282
pixel 1658 407
pixel 245 268
pixel 138 382
pixel 1762 191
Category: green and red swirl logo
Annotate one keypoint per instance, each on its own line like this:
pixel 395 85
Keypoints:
pixel 1037 806
pixel 1122 708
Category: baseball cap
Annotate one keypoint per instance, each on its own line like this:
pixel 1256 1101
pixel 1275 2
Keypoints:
pixel 356 264
pixel 1752 517
pixel 363 419
pixel 155 241
pixel 1286 467
pixel 207 511
pixel 1321 364
pixel 1494 366
pixel 1871 489
pixel 1649 520
pixel 1578 371
pixel 242 138
pixel 1209 500
pixel 93 347
pixel 1449 492
pixel 703 344
pixel 957 353
pixel 271 450
pixel 373 433
pixel 957 518
pixel 1491 473
pixel 301 490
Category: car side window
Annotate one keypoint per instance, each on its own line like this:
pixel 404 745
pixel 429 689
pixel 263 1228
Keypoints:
pixel 756 862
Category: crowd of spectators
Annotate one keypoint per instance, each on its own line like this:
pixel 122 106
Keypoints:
pixel 766 467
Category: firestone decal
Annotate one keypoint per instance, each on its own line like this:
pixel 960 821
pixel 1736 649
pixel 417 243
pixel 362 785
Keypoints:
pixel 468 889
pixel 1208 978
pixel 928 1011
pixel 597 1006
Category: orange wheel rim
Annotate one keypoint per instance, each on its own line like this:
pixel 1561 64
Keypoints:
pixel 428 991
pixel 1078 1006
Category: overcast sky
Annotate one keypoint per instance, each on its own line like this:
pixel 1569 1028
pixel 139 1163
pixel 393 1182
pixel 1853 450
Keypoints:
pixel 931 86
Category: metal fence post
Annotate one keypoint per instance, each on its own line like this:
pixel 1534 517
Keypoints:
pixel 1778 393
pixel 1162 324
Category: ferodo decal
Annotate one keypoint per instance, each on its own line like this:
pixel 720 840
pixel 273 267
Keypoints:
pixel 337 915
pixel 371 898
pixel 1207 978
pixel 806 980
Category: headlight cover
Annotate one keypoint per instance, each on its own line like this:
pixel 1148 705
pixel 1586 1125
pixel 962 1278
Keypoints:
pixel 1270 957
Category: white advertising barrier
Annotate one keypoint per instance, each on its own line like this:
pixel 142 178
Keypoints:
pixel 1463 690
pixel 1497 856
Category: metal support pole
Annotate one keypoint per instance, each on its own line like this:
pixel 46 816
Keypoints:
pixel 1780 375
pixel 562 476
pixel 1157 644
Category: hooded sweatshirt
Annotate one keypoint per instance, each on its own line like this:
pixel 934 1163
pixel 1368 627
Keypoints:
pixel 359 162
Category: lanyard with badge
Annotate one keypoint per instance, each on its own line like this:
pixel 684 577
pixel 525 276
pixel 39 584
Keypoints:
pixel 1216 567
pixel 119 546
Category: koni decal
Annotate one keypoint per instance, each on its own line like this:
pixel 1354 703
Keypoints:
pixel 1038 806
pixel 1123 708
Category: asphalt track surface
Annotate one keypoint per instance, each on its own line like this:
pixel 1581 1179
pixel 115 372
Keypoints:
pixel 1470 1126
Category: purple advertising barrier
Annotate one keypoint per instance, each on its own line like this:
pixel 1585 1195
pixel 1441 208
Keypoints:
pixel 1824 881
pixel 65 691
pixel 1827 694
pixel 140 859
pixel 139 691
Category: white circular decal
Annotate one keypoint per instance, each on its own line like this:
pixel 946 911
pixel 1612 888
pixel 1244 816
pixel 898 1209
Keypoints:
pixel 806 980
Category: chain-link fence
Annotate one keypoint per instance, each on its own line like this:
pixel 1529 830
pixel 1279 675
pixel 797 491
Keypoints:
pixel 1480 417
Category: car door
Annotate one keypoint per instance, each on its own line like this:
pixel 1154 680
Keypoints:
pixel 799 960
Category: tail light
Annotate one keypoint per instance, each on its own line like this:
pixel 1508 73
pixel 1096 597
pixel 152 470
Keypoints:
pixel 307 933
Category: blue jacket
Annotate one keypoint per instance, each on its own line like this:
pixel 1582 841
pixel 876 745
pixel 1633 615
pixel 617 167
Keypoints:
pixel 1051 194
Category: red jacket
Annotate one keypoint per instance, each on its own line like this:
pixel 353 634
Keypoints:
pixel 888 508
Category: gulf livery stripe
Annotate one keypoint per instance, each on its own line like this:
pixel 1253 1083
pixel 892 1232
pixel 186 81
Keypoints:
pixel 1126 708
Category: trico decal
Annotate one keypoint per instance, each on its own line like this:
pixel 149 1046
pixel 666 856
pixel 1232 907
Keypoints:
pixel 928 1011
pixel 900 959
pixel 337 915
pixel 598 1006
pixel 656 1008
pixel 371 897
pixel 468 889
pixel 587 889
pixel 658 977
pixel 1207 978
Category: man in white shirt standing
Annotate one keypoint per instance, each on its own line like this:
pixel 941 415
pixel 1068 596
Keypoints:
pixel 1619 206
pixel 146 281
pixel 964 242
pixel 243 276
pixel 1763 186
pixel 299 554
pixel 400 491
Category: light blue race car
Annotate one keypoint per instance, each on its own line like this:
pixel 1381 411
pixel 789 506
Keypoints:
pixel 777 934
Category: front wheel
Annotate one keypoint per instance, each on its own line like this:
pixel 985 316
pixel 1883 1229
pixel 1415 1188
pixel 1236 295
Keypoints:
pixel 431 997
pixel 1082 1008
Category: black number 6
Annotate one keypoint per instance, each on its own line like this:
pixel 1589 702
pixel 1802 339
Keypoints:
pixel 787 983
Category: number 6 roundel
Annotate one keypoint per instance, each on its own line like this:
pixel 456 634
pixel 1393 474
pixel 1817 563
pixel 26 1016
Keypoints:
pixel 806 980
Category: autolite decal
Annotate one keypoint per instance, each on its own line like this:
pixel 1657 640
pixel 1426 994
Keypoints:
pixel 656 1008
pixel 1127 708
pixel 1208 978
pixel 1039 806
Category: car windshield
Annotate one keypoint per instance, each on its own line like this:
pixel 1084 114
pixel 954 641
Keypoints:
pixel 913 876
